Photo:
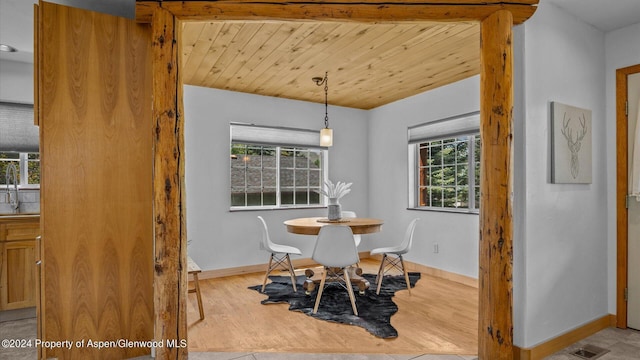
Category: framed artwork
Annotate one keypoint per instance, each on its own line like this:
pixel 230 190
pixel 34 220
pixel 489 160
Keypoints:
pixel 570 144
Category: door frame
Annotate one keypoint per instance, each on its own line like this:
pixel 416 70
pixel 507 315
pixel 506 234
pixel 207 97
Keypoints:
pixel 496 18
pixel 622 189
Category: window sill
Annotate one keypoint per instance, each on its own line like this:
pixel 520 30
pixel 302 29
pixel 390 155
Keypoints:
pixel 452 211
pixel 263 208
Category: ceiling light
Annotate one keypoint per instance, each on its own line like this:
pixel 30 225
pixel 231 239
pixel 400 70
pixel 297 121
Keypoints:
pixel 7 48
pixel 326 134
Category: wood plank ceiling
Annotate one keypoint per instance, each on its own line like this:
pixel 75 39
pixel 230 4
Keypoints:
pixel 369 65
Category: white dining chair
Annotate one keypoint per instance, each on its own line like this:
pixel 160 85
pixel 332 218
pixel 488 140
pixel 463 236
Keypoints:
pixel 280 255
pixel 392 256
pixel 352 214
pixel 335 252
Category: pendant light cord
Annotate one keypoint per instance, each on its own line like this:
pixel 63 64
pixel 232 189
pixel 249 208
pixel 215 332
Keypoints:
pixel 326 104
pixel 319 81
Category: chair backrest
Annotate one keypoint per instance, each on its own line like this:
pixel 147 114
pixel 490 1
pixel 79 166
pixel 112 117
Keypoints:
pixel 335 247
pixel 352 214
pixel 347 214
pixel 405 246
pixel 265 241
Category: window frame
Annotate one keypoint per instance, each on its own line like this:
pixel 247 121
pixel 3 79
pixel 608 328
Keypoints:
pixel 308 144
pixel 462 126
pixel 23 165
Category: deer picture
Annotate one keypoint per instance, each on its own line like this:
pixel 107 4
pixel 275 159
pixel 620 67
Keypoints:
pixel 574 144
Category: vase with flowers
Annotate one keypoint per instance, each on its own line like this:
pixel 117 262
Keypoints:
pixel 334 192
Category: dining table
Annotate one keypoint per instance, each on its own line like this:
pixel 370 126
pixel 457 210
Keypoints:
pixel 312 225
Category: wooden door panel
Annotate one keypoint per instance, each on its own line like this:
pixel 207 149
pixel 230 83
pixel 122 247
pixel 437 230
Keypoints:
pixel 18 275
pixel 96 188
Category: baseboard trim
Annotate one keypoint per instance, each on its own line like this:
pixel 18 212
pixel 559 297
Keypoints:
pixel 462 279
pixel 308 262
pixel 243 270
pixel 562 341
pixel 439 273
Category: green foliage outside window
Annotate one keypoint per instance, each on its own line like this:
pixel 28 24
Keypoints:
pixel 32 163
pixel 444 173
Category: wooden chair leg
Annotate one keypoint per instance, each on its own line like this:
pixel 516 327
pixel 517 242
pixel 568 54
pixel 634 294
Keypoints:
pixel 350 291
pixel 406 274
pixel 324 277
pixel 380 274
pixel 266 274
pixel 198 295
pixel 292 272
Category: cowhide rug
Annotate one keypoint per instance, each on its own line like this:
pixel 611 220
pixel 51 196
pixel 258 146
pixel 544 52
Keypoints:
pixel 374 311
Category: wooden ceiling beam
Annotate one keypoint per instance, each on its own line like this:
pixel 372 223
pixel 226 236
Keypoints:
pixel 344 10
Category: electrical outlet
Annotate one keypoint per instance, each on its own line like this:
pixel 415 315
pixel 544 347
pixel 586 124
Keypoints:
pixel 436 248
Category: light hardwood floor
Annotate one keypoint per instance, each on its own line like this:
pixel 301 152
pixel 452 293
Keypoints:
pixel 439 317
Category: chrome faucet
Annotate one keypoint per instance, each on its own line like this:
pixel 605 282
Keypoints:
pixel 11 177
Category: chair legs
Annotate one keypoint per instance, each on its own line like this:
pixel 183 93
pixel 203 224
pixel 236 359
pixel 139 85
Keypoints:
pixel 350 291
pixel 389 263
pixel 284 262
pixel 320 290
pixel 347 281
pixel 196 290
pixel 380 274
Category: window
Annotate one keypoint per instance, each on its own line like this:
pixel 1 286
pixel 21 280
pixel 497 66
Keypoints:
pixel 27 164
pixel 445 165
pixel 19 142
pixel 275 167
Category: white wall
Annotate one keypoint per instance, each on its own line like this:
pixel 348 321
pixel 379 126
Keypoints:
pixel 375 144
pixel 565 244
pixel 223 239
pixel 519 186
pixel 456 234
pixel 622 49
pixel 16 82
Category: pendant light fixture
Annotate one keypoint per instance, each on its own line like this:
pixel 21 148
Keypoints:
pixel 326 134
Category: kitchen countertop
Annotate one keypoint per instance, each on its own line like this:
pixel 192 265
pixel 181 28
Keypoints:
pixel 19 217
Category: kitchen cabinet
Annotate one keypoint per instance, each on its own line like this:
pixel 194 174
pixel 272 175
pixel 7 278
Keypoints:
pixel 18 261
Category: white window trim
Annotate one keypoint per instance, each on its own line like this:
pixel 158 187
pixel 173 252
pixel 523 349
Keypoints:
pixel 462 125
pixel 24 171
pixel 279 206
pixel 280 137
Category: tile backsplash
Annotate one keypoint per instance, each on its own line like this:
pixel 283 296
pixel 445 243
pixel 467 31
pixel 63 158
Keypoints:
pixel 29 201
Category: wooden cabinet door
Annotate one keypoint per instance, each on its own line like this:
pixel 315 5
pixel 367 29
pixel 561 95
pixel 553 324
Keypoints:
pixel 96 151
pixel 18 275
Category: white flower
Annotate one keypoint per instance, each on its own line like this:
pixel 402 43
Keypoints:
pixel 335 191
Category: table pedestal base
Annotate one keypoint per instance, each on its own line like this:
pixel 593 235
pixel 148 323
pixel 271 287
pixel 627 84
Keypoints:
pixel 315 275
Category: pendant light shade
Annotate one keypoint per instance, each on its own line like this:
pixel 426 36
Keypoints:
pixel 326 137
pixel 326 134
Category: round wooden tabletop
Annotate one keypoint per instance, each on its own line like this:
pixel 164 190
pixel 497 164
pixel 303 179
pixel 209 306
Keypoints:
pixel 311 226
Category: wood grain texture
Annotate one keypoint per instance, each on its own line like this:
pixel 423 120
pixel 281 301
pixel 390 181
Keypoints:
pixel 369 64
pixel 96 199
pixel 170 280
pixel 622 189
pixel 375 52
pixel 365 12
pixel 311 226
pixel 495 334
pixel 393 10
pixel 439 317
pixel 17 261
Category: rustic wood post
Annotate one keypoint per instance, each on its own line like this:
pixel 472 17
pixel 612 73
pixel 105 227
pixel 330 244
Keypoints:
pixel 495 330
pixel 168 185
